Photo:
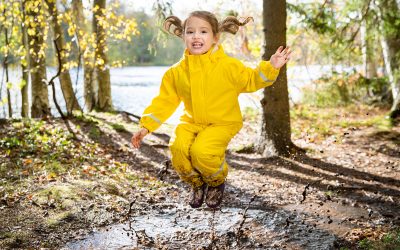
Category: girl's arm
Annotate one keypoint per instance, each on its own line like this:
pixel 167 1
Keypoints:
pixel 162 106
pixel 250 80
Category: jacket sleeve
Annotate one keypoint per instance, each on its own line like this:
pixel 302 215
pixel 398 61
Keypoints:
pixel 249 80
pixel 162 106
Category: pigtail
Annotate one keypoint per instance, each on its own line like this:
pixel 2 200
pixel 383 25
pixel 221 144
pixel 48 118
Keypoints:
pixel 231 24
pixel 175 23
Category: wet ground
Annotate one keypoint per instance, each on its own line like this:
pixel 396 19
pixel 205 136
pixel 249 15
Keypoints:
pixel 171 227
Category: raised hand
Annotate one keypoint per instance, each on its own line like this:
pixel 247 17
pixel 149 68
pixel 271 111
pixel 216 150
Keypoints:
pixel 280 57
pixel 138 137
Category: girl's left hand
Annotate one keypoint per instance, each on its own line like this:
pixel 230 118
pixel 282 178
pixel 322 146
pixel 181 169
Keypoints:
pixel 280 57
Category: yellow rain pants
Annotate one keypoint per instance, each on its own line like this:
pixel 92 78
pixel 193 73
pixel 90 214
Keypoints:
pixel 209 86
pixel 198 152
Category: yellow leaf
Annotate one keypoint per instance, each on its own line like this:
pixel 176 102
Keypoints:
pixel 99 61
pixel 71 30
pixel 51 176
pixel 27 161
pixel 21 84
pixel 31 32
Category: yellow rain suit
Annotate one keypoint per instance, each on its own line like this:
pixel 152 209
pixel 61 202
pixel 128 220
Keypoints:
pixel 209 86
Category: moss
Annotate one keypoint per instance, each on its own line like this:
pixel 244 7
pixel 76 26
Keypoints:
pixel 94 133
pixel 15 239
pixel 111 188
pixel 118 127
pixel 58 218
pixel 63 196
pixel 55 167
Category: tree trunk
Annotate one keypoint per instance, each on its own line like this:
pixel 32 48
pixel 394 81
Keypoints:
pixel 369 67
pixel 65 79
pixel 81 29
pixel 24 66
pixel 5 65
pixel 388 13
pixel 40 96
pixel 102 69
pixel 275 137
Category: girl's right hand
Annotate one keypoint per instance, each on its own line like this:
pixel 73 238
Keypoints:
pixel 138 137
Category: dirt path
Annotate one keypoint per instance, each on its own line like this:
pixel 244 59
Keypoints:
pixel 344 189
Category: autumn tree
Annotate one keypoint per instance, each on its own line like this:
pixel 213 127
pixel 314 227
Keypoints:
pixel 65 79
pixel 101 67
pixel 24 65
pixel 24 37
pixel 37 30
pixel 85 54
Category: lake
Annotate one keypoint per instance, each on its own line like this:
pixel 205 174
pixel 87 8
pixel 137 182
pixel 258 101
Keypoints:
pixel 134 87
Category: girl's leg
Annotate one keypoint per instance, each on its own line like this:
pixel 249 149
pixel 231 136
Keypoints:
pixel 208 152
pixel 180 145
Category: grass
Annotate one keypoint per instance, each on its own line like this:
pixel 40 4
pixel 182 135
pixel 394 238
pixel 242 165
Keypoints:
pixel 389 241
pixel 316 124
pixel 118 127
pixel 319 123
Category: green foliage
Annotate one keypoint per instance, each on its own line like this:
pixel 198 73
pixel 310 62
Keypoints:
pixel 10 142
pixel 316 16
pixel 94 133
pixel 333 29
pixel 118 127
pixel 317 124
pixel 340 89
pixel 145 49
pixel 390 240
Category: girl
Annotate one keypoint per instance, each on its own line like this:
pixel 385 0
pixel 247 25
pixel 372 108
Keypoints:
pixel 209 83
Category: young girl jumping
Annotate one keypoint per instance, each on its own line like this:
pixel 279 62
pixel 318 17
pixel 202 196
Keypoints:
pixel 209 83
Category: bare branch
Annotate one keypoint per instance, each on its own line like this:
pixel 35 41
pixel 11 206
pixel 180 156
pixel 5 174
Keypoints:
pixel 51 82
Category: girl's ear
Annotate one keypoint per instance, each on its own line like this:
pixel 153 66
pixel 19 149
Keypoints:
pixel 216 38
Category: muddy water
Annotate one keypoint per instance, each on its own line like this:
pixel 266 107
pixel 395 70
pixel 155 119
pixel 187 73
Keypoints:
pixel 185 228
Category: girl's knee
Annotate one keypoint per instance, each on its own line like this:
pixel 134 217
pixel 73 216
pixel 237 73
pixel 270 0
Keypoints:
pixel 179 148
pixel 197 151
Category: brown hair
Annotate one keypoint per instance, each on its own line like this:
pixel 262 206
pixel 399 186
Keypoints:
pixel 230 24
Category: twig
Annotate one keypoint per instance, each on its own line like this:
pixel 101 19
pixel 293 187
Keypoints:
pixel 305 192
pixel 212 235
pixel 129 221
pixel 54 77
pixel 239 230
pixel 130 209
pixel 307 187
pixel 129 114
pixel 164 170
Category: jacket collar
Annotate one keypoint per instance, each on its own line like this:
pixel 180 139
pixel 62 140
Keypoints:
pixel 198 61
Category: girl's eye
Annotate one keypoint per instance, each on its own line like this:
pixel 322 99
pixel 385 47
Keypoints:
pixel 204 32
pixel 189 32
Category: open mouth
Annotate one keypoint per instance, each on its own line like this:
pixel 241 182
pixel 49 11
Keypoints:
pixel 197 45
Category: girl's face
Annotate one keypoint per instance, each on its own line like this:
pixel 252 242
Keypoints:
pixel 198 36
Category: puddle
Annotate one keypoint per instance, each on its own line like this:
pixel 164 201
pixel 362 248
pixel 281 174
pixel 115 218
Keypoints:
pixel 185 228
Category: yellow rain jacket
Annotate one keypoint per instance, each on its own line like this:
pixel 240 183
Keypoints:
pixel 209 86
